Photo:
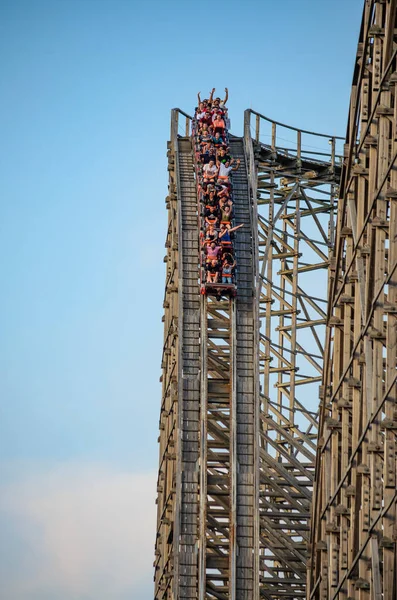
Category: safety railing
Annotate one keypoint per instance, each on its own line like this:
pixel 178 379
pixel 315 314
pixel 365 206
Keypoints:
pixel 180 124
pixel 304 144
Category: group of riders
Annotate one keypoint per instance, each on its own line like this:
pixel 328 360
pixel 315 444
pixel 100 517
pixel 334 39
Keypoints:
pixel 214 166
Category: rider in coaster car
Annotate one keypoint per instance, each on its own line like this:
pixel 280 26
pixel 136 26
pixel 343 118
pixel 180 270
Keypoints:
pixel 218 103
pixel 226 215
pixel 212 210
pixel 211 199
pixel 225 169
pixel 207 118
pixel 205 139
pixel 225 201
pixel 222 156
pixel 210 188
pixel 211 217
pixel 224 234
pixel 208 154
pixel 227 270
pixel 212 272
pixel 213 251
pixel 218 141
pixel 203 129
pixel 224 190
pixel 210 171
pixel 212 235
pixel 215 112
pixel 204 189
pixel 200 112
pixel 218 124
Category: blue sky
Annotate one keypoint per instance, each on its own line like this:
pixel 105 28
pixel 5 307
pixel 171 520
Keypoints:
pixel 86 88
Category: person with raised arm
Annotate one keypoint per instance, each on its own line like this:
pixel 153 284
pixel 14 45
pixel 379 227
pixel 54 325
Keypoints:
pixel 227 271
pixel 226 215
pixel 225 201
pixel 224 190
pixel 207 102
pixel 221 103
pixel 225 169
pixel 224 234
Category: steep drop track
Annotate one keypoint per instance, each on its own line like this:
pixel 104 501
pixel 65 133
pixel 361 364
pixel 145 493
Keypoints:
pixel 208 485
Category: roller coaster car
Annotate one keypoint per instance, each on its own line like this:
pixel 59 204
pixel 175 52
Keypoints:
pixel 219 289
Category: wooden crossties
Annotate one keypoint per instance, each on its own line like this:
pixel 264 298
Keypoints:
pixel 294 189
pixel 353 536
pixel 218 433
pixel 208 489
pixel 229 401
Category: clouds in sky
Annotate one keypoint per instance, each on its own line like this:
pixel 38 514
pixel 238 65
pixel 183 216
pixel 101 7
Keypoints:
pixel 76 532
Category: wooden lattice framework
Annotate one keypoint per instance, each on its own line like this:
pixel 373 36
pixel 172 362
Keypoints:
pixel 354 526
pixel 295 187
pixel 353 530
pixel 241 377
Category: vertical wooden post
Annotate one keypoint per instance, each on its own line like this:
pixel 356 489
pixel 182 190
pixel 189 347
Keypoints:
pixel 360 508
pixel 257 128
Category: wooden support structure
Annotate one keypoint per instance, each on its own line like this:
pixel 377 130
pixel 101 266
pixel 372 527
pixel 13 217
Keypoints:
pixel 208 488
pixel 241 376
pixel 295 189
pixel 353 533
pixel 242 444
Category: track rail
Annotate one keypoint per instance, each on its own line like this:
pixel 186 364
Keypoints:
pixel 208 479
pixel 186 517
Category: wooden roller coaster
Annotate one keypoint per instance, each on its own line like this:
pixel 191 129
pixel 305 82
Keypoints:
pixel 278 421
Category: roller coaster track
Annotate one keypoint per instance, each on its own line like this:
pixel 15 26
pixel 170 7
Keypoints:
pixel 278 420
pixel 211 429
pixel 238 421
